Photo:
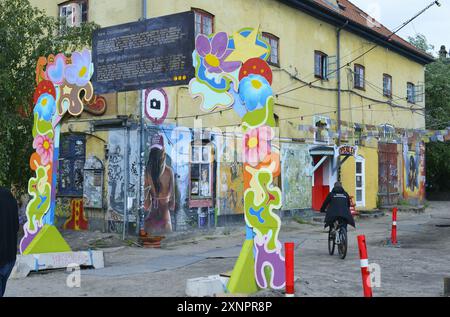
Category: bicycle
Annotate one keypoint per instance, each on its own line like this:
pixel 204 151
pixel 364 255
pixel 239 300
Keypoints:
pixel 339 239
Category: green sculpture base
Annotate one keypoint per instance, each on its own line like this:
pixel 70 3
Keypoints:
pixel 48 240
pixel 242 280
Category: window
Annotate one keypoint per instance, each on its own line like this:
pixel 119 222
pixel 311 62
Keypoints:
pixel 411 93
pixel 73 13
pixel 201 171
pixel 320 65
pixel 274 42
pixel 358 134
pixel 204 22
pixel 387 85
pixel 359 76
pixel 359 182
pixel 71 165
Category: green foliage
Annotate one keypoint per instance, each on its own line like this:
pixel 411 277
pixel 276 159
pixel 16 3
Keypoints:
pixel 438 166
pixel 420 41
pixel 26 33
pixel 437 96
pixel 437 90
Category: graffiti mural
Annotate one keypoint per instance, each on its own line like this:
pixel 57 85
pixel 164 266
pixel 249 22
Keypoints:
pixel 231 71
pixel 166 151
pixel 230 188
pixel 159 187
pixel 296 177
pixel 62 85
pixel 77 219
pixel 230 173
pixel 414 172
pixel 118 196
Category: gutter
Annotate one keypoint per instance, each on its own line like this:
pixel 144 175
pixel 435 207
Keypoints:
pixel 336 19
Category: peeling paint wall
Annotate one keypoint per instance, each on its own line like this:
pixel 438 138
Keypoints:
pixel 296 180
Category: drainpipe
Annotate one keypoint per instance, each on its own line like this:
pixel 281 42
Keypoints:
pixel 338 76
pixel 144 10
pixel 338 66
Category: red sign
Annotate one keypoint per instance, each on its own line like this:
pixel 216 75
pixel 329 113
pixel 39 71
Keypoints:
pixel 347 150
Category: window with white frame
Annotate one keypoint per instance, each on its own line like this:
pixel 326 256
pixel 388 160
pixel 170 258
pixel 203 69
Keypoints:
pixel 73 13
pixel 387 85
pixel 360 72
pixel 201 176
pixel 320 65
pixel 411 92
pixel 360 181
pixel 274 43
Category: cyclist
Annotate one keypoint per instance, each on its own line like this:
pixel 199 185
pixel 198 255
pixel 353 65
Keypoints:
pixel 337 207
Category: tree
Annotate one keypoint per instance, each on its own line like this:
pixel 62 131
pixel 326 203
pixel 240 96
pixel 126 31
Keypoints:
pixel 26 33
pixel 420 42
pixel 437 96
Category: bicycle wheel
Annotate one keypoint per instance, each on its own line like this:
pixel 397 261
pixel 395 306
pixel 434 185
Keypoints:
pixel 331 241
pixel 342 247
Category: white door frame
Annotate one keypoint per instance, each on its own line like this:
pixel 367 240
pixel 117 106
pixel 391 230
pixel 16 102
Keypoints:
pixel 362 203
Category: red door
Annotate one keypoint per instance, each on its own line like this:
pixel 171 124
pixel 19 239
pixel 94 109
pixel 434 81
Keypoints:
pixel 388 191
pixel 319 190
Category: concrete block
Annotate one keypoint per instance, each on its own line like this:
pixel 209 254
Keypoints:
pixel 47 261
pixel 206 286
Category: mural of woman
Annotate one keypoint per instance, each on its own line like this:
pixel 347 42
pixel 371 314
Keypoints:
pixel 158 189
pixel 412 173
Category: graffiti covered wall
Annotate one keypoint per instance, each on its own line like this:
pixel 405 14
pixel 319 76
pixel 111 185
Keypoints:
pixel 414 172
pixel 296 180
pixel 116 196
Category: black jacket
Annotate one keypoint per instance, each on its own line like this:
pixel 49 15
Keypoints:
pixel 338 203
pixel 9 226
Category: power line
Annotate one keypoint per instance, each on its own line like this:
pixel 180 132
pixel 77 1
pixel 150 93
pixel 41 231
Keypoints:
pixel 366 52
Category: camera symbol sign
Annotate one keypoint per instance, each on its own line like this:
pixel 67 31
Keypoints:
pixel 156 105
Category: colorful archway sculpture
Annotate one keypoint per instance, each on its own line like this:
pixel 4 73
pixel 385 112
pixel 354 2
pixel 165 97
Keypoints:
pixel 63 85
pixel 231 71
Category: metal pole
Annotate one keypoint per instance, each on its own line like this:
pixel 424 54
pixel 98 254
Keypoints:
pixel 140 196
pixel 125 171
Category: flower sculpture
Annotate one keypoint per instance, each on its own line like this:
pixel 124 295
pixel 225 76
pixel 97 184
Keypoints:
pixel 79 72
pixel 257 145
pixel 44 148
pixel 45 106
pixel 254 91
pixel 61 87
pixel 231 71
pixel 214 51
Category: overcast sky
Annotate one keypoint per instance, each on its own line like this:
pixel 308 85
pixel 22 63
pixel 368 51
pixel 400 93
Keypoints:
pixel 434 23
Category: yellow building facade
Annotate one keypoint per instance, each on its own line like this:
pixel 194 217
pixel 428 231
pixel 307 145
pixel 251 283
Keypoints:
pixel 380 101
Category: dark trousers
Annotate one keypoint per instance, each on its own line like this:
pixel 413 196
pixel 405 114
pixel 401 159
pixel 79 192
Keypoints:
pixel 5 271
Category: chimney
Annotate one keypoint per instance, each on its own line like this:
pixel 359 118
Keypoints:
pixel 443 52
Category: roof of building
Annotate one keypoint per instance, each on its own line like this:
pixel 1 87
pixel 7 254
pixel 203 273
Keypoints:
pixel 339 11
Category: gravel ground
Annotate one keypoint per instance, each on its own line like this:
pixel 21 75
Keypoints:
pixel 416 268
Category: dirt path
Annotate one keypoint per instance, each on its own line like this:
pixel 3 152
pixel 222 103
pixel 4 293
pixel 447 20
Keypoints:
pixel 417 268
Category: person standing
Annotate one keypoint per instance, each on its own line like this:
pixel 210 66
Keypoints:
pixel 9 227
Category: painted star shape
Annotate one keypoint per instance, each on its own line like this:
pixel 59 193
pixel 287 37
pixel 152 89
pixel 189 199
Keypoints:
pixel 67 90
pixel 245 47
